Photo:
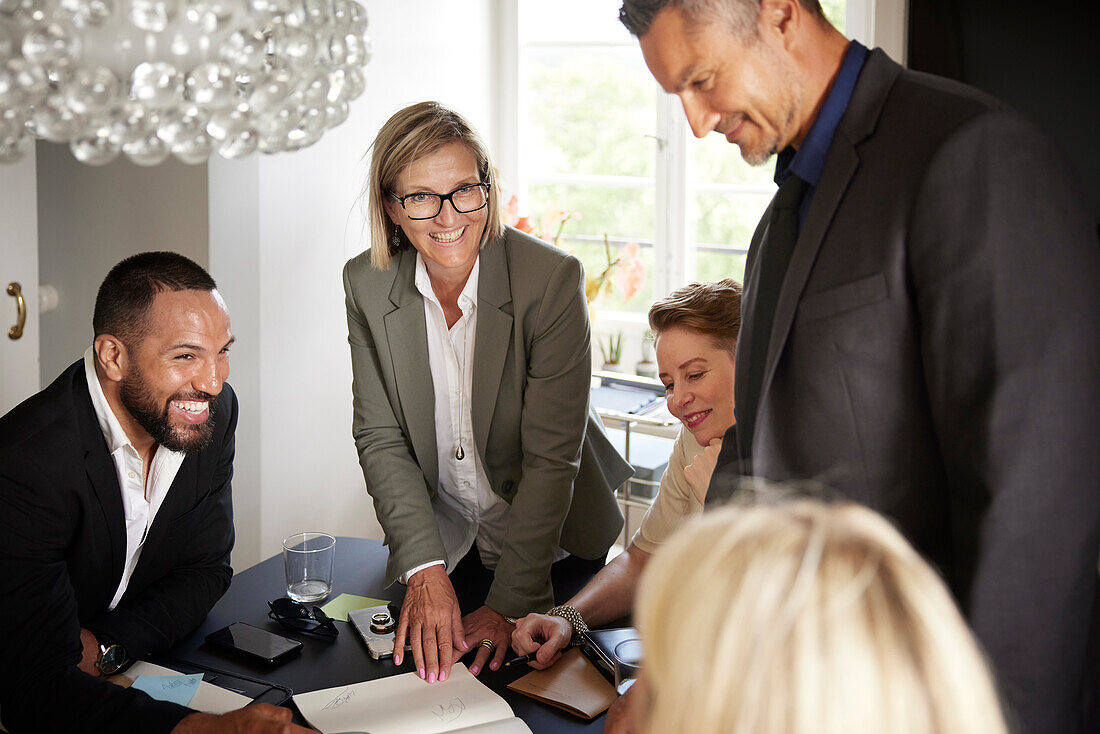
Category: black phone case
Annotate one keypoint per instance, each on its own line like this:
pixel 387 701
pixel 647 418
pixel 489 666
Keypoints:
pixel 259 690
pixel 214 639
pixel 599 647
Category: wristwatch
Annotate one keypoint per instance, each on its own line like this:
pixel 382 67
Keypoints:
pixel 112 658
pixel 572 616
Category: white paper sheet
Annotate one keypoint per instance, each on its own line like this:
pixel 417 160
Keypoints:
pixel 404 704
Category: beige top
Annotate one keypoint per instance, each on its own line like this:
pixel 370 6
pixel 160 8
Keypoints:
pixel 675 502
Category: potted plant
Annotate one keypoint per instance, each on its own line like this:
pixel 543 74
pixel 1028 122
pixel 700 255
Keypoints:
pixel 647 367
pixel 612 351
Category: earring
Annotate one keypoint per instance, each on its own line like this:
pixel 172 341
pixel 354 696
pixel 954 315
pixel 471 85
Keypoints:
pixel 397 238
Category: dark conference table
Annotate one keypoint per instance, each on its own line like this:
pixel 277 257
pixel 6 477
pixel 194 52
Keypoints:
pixel 358 568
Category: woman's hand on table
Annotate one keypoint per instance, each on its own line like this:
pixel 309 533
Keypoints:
pixel 485 624
pixel 699 471
pixel 431 620
pixel 543 635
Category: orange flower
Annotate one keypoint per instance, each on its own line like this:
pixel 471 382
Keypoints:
pixel 630 274
pixel 625 273
pixel 510 215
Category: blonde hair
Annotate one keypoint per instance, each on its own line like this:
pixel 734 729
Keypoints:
pixel 805 618
pixel 409 135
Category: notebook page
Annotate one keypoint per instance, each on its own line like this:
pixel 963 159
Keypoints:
pixel 404 704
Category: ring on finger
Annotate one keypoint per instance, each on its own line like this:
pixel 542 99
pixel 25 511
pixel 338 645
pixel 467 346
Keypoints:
pixel 488 644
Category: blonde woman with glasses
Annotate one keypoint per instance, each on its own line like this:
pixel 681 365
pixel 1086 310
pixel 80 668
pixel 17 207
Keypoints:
pixel 804 618
pixel 471 364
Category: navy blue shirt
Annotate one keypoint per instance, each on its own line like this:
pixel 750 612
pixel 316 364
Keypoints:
pixel 809 161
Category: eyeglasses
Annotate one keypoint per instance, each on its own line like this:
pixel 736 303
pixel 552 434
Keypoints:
pixel 297 616
pixel 464 199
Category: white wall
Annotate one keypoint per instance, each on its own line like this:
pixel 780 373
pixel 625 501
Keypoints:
pixel 234 254
pixel 18 264
pixel 882 23
pixel 89 218
pixel 281 228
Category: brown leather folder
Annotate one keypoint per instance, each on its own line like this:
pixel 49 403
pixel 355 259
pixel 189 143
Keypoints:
pixel 572 684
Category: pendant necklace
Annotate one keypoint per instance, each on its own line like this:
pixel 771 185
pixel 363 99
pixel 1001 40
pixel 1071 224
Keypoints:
pixel 459 453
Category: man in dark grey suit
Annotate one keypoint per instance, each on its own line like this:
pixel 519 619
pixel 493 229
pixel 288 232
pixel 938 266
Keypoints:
pixel 920 321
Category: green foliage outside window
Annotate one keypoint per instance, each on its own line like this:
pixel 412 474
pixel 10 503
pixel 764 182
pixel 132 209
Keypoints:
pixel 591 111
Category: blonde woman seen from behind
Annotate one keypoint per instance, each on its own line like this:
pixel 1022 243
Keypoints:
pixel 804 618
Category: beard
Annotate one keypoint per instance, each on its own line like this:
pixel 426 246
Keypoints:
pixel 789 92
pixel 152 415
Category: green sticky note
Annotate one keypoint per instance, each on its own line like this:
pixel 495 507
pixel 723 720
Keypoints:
pixel 339 607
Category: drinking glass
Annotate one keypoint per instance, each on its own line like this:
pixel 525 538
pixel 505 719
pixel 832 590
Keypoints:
pixel 628 662
pixel 308 559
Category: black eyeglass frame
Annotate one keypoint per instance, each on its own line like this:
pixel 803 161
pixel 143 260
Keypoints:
pixel 310 620
pixel 443 198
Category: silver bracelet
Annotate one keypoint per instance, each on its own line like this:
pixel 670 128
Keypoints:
pixel 572 616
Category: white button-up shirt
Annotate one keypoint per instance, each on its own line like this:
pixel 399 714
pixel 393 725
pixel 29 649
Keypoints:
pixel 466 509
pixel 140 499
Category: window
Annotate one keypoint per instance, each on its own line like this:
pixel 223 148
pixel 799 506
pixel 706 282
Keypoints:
pixel 599 145
pixel 587 136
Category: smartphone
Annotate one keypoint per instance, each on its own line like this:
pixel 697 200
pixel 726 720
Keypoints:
pixel 255 642
pixel 379 645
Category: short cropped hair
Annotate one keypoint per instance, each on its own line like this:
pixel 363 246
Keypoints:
pixel 712 309
pixel 739 15
pixel 409 135
pixel 805 617
pixel 126 294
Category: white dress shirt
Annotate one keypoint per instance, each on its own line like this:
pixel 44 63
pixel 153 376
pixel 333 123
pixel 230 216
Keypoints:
pixel 466 509
pixel 140 500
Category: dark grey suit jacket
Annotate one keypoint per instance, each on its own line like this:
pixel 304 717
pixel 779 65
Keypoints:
pixel 532 370
pixel 936 356
pixel 62 547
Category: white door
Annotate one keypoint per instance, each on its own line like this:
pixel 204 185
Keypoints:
pixel 18 264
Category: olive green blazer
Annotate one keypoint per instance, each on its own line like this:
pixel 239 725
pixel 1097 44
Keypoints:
pixel 543 451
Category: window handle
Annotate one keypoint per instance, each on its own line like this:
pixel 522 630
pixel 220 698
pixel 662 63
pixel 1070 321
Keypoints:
pixel 661 142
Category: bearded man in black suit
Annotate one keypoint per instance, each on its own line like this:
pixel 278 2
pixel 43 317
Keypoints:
pixel 116 519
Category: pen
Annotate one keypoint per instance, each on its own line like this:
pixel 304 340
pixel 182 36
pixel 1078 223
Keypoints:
pixel 521 659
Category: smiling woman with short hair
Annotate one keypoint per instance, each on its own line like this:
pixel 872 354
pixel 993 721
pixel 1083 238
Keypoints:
pixel 695 330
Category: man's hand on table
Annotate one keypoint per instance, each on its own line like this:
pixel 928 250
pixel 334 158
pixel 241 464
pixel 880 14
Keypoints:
pixel 259 718
pixel 485 624
pixel 545 636
pixel 431 620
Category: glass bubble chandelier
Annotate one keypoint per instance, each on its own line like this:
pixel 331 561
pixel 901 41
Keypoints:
pixel 149 79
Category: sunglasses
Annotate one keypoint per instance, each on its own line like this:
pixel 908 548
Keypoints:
pixel 300 618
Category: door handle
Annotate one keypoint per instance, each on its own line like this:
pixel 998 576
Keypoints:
pixel 16 291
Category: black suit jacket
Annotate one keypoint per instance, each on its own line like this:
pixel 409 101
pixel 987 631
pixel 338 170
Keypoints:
pixel 936 355
pixel 62 548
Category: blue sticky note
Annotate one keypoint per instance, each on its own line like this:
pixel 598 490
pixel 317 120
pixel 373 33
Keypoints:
pixel 173 688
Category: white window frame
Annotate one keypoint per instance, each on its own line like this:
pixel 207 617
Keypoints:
pixel 872 22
